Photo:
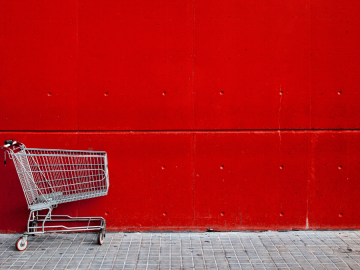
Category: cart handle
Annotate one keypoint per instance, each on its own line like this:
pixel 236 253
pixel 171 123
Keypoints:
pixel 7 144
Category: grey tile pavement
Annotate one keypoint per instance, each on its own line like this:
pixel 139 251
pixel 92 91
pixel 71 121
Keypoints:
pixel 213 250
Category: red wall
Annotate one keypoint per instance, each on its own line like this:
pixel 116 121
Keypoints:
pixel 228 115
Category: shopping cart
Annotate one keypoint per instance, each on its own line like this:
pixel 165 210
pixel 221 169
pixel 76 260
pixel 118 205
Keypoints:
pixel 50 177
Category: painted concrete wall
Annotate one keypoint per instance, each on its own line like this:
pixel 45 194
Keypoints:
pixel 228 115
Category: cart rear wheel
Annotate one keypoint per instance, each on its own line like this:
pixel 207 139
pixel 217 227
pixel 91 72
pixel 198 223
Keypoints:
pixel 21 244
pixel 101 237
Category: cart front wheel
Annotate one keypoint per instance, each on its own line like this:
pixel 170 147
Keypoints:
pixel 101 237
pixel 21 244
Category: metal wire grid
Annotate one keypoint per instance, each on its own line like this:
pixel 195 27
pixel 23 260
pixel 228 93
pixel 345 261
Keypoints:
pixel 59 176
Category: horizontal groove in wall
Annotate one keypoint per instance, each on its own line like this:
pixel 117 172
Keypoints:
pixel 183 131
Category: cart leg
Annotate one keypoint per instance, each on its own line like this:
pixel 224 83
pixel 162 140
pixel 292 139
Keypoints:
pixel 104 227
pixel 32 222
pixel 47 217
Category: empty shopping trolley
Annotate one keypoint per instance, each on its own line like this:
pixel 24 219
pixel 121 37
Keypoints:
pixel 51 177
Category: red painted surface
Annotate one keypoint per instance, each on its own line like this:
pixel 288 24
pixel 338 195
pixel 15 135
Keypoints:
pixel 135 65
pixel 334 180
pixel 228 115
pixel 246 180
pixel 38 52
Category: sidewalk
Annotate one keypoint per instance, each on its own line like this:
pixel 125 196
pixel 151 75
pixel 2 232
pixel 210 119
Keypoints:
pixel 232 250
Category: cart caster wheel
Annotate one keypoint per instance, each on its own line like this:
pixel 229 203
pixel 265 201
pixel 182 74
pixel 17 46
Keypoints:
pixel 21 244
pixel 101 236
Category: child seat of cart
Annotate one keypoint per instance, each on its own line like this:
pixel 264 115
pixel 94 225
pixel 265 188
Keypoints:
pixel 45 201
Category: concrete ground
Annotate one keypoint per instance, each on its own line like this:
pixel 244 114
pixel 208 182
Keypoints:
pixel 214 250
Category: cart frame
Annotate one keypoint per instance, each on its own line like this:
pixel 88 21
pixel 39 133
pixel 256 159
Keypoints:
pixel 50 177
